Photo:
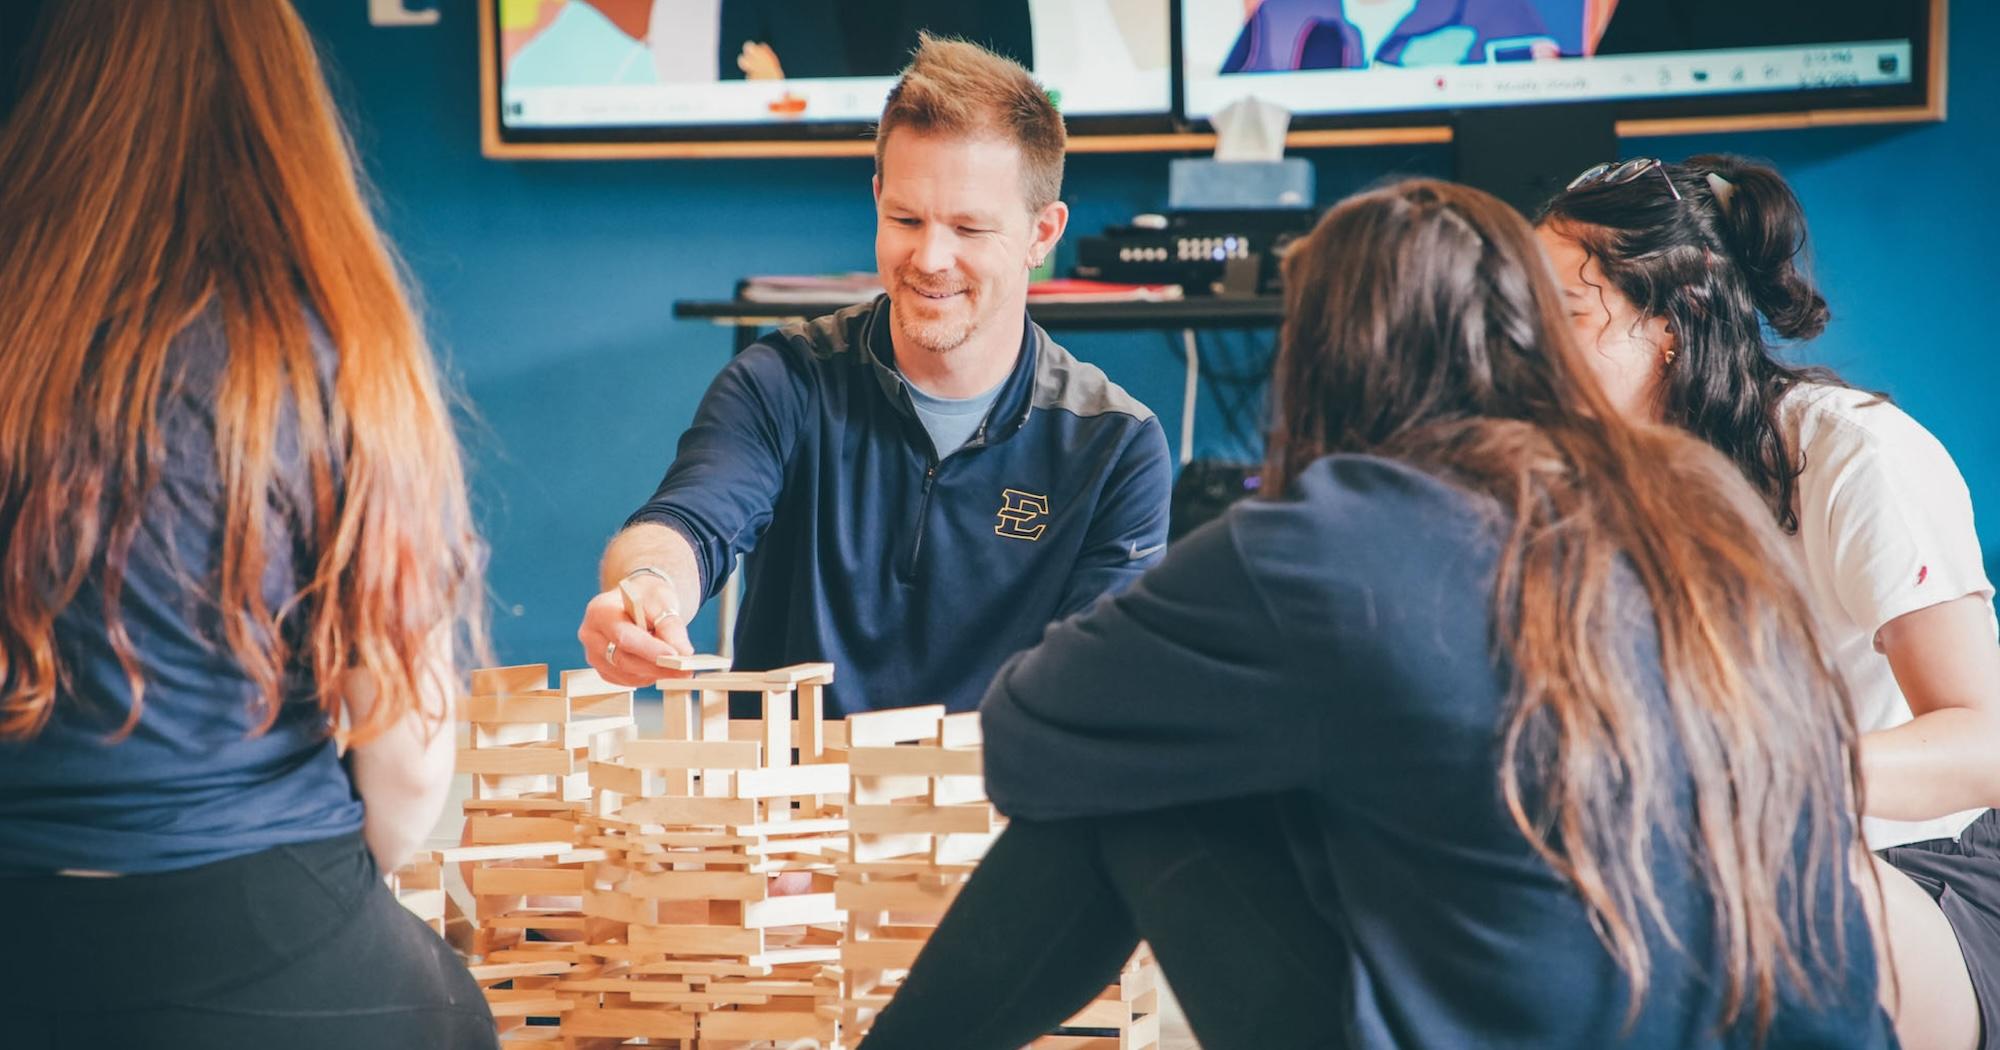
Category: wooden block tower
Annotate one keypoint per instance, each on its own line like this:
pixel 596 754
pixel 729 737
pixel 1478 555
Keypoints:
pixel 920 823
pixel 720 843
pixel 528 748
pixel 728 882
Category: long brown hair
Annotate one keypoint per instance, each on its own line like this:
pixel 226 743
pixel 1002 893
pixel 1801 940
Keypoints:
pixel 1423 323
pixel 164 160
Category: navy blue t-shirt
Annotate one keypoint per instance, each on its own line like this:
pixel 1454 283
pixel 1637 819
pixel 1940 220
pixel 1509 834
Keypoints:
pixel 1335 649
pixel 191 784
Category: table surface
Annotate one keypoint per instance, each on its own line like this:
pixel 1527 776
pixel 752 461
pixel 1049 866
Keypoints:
pixel 1207 312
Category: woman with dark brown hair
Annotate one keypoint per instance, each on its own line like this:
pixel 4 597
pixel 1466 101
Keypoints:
pixel 237 552
pixel 1672 275
pixel 1496 722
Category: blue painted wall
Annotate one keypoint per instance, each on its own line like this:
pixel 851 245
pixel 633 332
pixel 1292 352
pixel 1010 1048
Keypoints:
pixel 549 286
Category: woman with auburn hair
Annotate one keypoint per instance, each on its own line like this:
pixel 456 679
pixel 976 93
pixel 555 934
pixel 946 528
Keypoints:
pixel 1672 275
pixel 237 552
pixel 1497 721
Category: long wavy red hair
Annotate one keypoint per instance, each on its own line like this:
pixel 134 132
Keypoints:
pixel 163 160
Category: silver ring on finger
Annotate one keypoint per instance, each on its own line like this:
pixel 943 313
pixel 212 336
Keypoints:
pixel 610 651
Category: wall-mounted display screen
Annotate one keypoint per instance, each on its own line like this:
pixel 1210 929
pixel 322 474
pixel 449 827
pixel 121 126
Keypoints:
pixel 611 70
pixel 1359 61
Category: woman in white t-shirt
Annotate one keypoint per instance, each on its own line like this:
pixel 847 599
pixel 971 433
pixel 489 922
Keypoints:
pixel 1673 275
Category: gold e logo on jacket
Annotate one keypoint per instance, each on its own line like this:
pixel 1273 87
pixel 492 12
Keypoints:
pixel 1021 515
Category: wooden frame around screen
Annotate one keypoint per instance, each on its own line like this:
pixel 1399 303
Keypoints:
pixel 492 145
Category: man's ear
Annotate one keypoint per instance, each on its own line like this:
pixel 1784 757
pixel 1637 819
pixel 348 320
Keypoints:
pixel 876 183
pixel 1048 229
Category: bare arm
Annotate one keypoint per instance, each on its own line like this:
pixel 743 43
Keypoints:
pixel 404 775
pixel 646 617
pixel 1946 759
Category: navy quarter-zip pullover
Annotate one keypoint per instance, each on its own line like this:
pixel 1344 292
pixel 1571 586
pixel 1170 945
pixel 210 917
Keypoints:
pixel 916 575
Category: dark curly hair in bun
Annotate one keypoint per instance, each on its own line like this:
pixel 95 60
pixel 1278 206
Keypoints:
pixel 1722 264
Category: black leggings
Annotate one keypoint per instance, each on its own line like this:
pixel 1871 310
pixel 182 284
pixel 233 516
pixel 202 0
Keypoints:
pixel 297 947
pixel 1056 908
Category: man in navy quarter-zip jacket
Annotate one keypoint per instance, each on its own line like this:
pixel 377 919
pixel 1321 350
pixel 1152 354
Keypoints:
pixel 923 482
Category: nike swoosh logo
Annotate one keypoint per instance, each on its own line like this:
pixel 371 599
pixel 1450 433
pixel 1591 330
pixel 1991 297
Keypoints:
pixel 1135 552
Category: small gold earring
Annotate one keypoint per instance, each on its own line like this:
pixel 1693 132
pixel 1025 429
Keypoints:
pixel 1669 355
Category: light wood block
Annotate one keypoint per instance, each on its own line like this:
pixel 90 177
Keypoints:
pixel 883 820
pixel 706 811
pixel 896 726
pixel 502 681
pixel 692 754
pixel 521 882
pixel 914 761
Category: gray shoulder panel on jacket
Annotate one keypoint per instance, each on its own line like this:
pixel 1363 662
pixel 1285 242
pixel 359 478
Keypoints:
pixel 1078 387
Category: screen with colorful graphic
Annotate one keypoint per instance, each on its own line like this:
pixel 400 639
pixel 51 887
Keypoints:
pixel 1354 58
pixel 736 68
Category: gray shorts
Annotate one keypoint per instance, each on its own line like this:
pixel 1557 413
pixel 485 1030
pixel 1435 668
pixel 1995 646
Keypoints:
pixel 1963 876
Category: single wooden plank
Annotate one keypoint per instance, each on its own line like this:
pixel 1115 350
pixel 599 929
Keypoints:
pixel 503 734
pixel 503 681
pixel 582 733
pixel 714 811
pixel 810 736
pixel 698 885
pixel 871 848
pixel 619 907
pixel 1101 1013
pixel 602 705
pixel 919 761
pixel 955 791
pixel 695 663
pixel 880 790
pixel 521 882
pixel 523 760
pixel 880 954
pixel 799 674
pixel 625 780
pixel 852 895
pixel 533 919
pixel 774 1025
pixel 585 681
pixel 889 820
pixel 961 730
pixel 825 779
pixel 522 805
pixel 534 1002
pixel 894 726
pixel 828 953
pixel 961 849
pixel 792 827
pixel 697 940
pixel 777 735
pixel 494 710
pixel 801 909
pixel 724 681
pixel 508 831
pixel 505 971
pixel 513 851
pixel 585 1021
pixel 692 754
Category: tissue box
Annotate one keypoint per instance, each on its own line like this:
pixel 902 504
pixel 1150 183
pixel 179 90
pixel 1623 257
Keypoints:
pixel 1203 184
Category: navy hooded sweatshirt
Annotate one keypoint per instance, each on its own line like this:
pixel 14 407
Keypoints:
pixel 1335 648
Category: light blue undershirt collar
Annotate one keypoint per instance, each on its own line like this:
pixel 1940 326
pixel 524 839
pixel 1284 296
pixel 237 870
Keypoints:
pixel 951 420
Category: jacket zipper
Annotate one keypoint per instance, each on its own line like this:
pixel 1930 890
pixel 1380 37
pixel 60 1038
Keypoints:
pixel 978 440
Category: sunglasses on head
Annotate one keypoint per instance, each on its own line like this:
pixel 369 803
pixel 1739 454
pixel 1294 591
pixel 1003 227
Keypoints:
pixel 1618 174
